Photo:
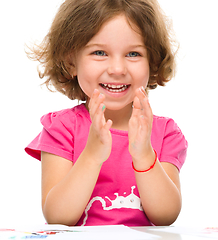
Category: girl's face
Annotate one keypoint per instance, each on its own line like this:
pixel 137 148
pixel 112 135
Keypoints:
pixel 115 62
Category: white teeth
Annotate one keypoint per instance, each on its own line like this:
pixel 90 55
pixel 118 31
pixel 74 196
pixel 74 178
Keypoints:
pixel 115 88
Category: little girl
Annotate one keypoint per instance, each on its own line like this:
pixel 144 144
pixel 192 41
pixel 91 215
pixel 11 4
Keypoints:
pixel 108 161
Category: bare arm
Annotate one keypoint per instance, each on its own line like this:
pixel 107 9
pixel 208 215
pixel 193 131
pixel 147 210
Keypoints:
pixel 67 188
pixel 159 188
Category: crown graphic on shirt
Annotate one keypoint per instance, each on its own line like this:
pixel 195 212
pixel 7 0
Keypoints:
pixel 131 201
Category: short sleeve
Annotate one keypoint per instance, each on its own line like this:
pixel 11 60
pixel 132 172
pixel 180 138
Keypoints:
pixel 55 138
pixel 174 146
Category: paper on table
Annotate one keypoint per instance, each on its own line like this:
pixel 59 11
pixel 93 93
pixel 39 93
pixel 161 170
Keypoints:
pixel 209 232
pixel 117 232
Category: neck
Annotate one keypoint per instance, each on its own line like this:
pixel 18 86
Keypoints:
pixel 120 117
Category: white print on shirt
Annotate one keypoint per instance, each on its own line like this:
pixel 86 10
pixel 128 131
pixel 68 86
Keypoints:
pixel 131 201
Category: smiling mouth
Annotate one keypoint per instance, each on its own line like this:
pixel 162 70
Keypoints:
pixel 114 88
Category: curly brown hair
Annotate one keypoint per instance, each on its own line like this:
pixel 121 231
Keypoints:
pixel 78 21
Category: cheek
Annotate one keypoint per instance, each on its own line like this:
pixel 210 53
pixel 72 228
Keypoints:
pixel 147 73
pixel 143 74
pixel 86 81
pixel 88 75
pixel 147 76
pixel 84 85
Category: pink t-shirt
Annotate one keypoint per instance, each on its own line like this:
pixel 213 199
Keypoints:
pixel 115 199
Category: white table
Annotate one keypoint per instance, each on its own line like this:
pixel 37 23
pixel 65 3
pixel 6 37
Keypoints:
pixel 181 233
pixel 61 232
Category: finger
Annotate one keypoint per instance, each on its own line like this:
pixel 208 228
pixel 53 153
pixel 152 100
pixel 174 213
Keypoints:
pixel 108 125
pixel 134 120
pixel 95 104
pixel 144 102
pixel 136 103
pixel 98 119
pixel 100 125
pixel 145 125
pixel 93 98
pixel 140 93
pixel 136 111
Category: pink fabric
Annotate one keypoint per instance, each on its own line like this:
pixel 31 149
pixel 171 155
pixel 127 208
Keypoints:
pixel 115 199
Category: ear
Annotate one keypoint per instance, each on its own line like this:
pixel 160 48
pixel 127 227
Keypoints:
pixel 71 65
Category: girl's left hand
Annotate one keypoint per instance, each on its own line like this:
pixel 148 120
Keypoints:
pixel 140 127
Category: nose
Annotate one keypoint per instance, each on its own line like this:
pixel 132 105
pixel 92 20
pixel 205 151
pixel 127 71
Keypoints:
pixel 117 66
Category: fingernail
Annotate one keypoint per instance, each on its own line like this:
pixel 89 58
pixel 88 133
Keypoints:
pixel 101 95
pixel 95 91
pixel 103 108
pixel 142 89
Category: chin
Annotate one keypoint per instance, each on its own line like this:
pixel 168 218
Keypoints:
pixel 116 106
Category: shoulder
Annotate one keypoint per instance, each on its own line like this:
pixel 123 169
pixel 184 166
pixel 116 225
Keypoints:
pixel 65 116
pixel 171 142
pixel 165 124
pixel 161 119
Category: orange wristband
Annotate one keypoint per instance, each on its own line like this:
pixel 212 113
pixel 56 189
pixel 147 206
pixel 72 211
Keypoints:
pixel 149 167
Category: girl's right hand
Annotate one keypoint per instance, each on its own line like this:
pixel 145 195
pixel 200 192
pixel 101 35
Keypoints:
pixel 99 144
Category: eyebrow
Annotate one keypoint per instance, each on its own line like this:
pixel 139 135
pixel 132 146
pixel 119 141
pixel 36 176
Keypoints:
pixel 95 45
pixel 104 45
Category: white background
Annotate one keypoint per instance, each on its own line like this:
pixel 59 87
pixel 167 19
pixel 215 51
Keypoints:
pixel 190 99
